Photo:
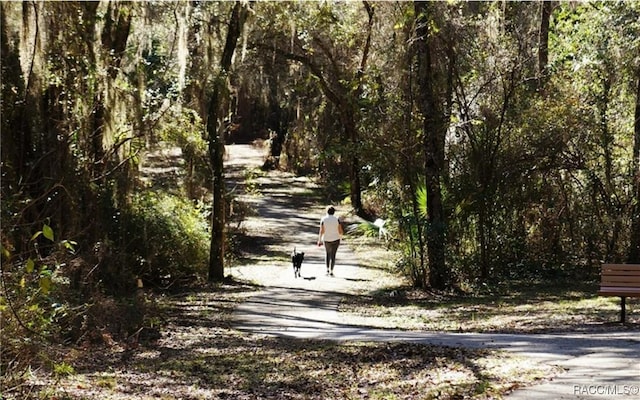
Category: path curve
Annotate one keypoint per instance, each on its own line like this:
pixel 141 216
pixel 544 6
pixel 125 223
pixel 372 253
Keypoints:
pixel 597 365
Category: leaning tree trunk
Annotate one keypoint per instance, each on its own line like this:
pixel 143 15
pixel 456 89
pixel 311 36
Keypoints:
pixel 215 130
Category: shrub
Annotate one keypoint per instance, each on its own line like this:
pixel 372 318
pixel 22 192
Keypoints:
pixel 162 239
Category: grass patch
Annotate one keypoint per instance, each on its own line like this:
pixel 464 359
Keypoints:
pixel 534 307
pixel 518 307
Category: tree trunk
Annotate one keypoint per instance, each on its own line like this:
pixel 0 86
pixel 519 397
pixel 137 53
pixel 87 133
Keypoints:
pixel 15 136
pixel 215 130
pixel 355 189
pixel 434 125
pixel 634 248
pixel 543 43
pixel 216 156
pixel 352 134
pixel 277 121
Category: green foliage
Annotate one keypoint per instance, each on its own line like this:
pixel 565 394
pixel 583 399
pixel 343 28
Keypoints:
pixel 63 369
pixel 405 215
pixel 364 228
pixel 251 176
pixel 33 301
pixel 34 279
pixel 421 199
pixel 186 130
pixel 163 239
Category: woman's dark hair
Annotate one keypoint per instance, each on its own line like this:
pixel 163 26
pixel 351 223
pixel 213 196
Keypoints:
pixel 331 210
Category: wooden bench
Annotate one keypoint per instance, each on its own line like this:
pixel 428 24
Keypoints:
pixel 621 280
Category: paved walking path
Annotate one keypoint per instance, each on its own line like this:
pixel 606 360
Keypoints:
pixel 597 365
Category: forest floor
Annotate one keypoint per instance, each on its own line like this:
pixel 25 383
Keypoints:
pixel 201 353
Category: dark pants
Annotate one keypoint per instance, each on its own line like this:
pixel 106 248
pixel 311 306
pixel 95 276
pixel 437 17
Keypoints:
pixel 331 249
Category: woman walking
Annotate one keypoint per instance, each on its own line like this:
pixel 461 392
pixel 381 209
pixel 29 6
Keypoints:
pixel 330 234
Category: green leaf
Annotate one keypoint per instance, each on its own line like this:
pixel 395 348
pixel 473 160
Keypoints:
pixel 63 369
pixel 5 252
pixel 30 266
pixel 47 232
pixel 69 245
pixel 421 198
pixel 45 284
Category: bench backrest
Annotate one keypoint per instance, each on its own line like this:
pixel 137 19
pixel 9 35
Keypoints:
pixel 620 275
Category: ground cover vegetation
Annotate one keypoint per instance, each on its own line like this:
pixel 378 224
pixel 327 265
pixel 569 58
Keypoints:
pixel 519 304
pixel 500 142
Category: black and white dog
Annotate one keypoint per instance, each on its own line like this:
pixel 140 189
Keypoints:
pixel 296 259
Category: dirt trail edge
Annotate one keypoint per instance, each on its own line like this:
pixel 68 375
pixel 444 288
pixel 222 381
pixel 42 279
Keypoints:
pixel 597 365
